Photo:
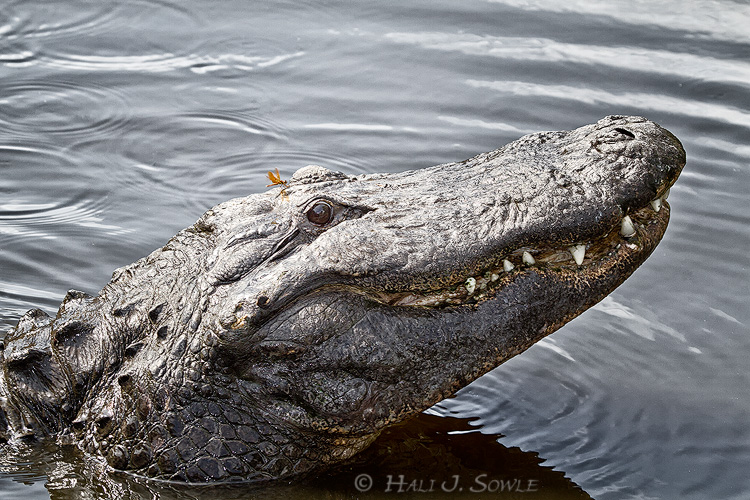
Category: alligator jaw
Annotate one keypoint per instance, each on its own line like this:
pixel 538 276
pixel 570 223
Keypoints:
pixel 619 244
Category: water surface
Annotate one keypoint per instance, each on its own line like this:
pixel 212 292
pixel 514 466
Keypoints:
pixel 122 122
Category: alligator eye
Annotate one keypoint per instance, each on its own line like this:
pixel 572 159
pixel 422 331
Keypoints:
pixel 320 213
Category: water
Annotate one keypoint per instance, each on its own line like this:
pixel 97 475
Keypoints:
pixel 121 122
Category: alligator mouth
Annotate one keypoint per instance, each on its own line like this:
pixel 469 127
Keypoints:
pixel 631 236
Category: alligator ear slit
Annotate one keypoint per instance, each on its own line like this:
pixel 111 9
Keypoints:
pixel 282 247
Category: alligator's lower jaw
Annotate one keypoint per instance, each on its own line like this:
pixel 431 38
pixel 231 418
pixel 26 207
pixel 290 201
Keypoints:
pixel 631 242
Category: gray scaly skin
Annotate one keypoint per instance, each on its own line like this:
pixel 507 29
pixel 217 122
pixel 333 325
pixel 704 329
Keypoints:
pixel 283 331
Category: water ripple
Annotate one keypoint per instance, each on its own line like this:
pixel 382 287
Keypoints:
pixel 18 217
pixel 720 112
pixel 42 20
pixel 163 62
pixel 698 17
pixel 59 204
pixel 57 107
pixel 358 127
pixel 24 24
pixel 677 65
pixel 16 55
pixel 193 159
pixel 477 123
pixel 290 160
pixel 617 404
pixel 36 20
pixel 48 34
pixel 19 160
pixel 19 298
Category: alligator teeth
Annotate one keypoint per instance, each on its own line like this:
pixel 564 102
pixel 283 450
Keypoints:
pixel 627 229
pixel 657 203
pixel 528 259
pixel 471 285
pixel 578 252
pixel 507 266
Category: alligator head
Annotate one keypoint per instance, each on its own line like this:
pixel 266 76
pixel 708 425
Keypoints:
pixel 283 331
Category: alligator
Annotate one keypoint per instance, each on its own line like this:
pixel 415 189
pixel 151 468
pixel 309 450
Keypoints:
pixel 283 331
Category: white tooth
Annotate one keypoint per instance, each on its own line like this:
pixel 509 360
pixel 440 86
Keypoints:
pixel 656 204
pixel 471 285
pixel 528 259
pixel 507 266
pixel 578 252
pixel 665 195
pixel 627 229
pixel 495 277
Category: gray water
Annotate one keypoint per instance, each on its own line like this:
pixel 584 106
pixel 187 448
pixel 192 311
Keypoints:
pixel 122 122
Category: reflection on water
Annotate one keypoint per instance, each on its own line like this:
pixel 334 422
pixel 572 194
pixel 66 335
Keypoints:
pixel 122 122
pixel 429 455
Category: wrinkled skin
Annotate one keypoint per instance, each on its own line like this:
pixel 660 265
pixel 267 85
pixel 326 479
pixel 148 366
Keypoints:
pixel 283 331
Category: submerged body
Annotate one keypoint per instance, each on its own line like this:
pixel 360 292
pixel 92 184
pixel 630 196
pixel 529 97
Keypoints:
pixel 283 331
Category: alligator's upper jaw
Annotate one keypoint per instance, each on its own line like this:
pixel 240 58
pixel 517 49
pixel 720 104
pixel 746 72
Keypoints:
pixel 624 247
pixel 558 199
pixel 626 166
pixel 619 248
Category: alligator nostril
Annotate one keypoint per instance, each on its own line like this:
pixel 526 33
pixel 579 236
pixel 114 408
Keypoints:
pixel 263 301
pixel 624 131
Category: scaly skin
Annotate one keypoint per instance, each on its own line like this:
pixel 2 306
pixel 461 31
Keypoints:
pixel 283 331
